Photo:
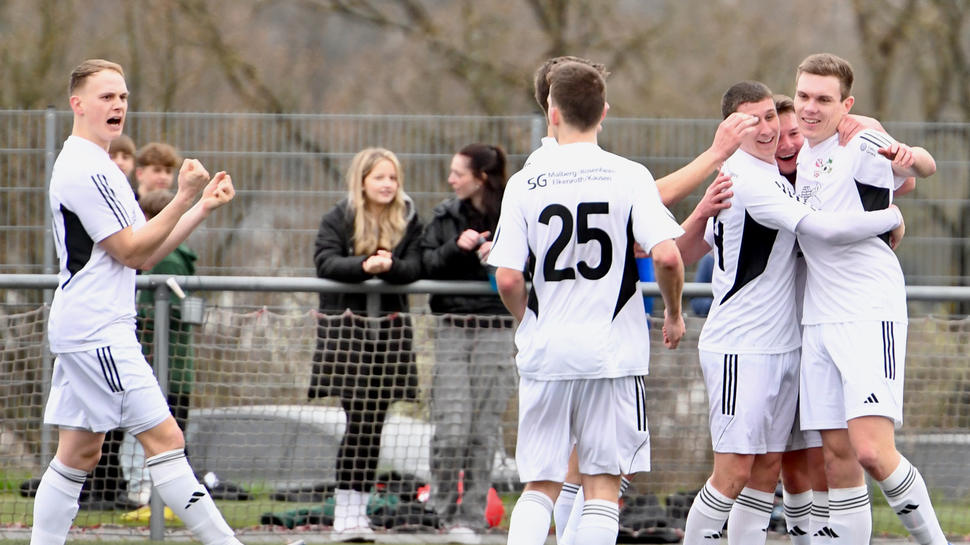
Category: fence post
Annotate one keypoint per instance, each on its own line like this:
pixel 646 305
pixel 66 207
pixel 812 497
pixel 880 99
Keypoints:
pixel 50 147
pixel 539 130
pixel 160 351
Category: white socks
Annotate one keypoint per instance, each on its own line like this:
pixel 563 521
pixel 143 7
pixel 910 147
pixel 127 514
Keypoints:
pixel 818 519
pixel 750 516
pixel 707 515
pixel 176 484
pixel 798 507
pixel 564 505
pixel 529 522
pixel 907 495
pixel 850 515
pixel 600 523
pixel 568 534
pixel 55 504
pixel 350 511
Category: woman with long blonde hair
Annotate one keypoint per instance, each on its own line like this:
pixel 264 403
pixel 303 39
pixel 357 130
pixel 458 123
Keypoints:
pixel 372 233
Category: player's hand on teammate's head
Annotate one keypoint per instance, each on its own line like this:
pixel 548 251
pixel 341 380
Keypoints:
pixel 673 329
pixel 193 177
pixel 717 196
pixel 218 191
pixel 727 138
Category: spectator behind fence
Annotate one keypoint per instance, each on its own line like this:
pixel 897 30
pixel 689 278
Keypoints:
pixel 474 372
pixel 155 167
pixel 122 152
pixel 181 262
pixel 373 233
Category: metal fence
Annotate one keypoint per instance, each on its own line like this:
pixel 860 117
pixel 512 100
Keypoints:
pixel 289 171
pixel 252 424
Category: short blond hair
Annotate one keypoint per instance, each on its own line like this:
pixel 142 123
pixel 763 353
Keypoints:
pixel 88 68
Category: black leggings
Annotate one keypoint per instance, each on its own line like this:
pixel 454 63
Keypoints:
pixel 361 446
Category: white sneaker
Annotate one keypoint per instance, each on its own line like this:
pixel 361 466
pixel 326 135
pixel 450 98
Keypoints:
pixel 463 535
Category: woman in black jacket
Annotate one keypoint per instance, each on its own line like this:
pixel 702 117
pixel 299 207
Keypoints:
pixel 474 374
pixel 365 361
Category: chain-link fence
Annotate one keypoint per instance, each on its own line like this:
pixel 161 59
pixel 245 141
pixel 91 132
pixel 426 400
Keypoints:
pixel 269 451
pixel 289 171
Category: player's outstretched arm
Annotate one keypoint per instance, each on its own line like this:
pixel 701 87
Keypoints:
pixel 677 185
pixel 511 288
pixel 907 161
pixel 669 270
pixel 848 227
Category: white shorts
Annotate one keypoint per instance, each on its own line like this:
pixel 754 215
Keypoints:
pixel 107 388
pixel 606 417
pixel 852 369
pixel 802 439
pixel 752 398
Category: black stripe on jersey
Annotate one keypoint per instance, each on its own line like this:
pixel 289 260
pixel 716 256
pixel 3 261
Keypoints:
pixel 77 243
pixel 109 369
pixel 888 351
pixel 532 303
pixel 629 282
pixel 875 139
pixel 873 198
pixel 641 395
pixel 110 199
pixel 756 243
pixel 729 385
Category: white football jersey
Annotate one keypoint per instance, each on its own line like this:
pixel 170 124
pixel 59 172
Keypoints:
pixel 571 219
pixel 90 199
pixel 754 268
pixel 861 280
pixel 548 143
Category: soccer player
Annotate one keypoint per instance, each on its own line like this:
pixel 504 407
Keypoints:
pixel 583 344
pixel 749 357
pixel 855 317
pixel 673 188
pixel 101 380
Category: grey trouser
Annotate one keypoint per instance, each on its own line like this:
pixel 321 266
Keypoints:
pixel 474 378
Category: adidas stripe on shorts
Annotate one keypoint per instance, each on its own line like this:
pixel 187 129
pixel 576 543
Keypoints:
pixel 607 417
pixel 852 369
pixel 111 387
pixel 753 398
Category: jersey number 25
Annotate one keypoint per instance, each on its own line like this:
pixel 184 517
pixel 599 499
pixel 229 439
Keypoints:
pixel 584 234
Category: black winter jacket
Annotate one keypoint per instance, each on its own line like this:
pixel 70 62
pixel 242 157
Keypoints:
pixel 442 259
pixel 334 260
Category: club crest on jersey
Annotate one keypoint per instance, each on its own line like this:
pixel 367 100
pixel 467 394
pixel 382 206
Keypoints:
pixel 823 166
